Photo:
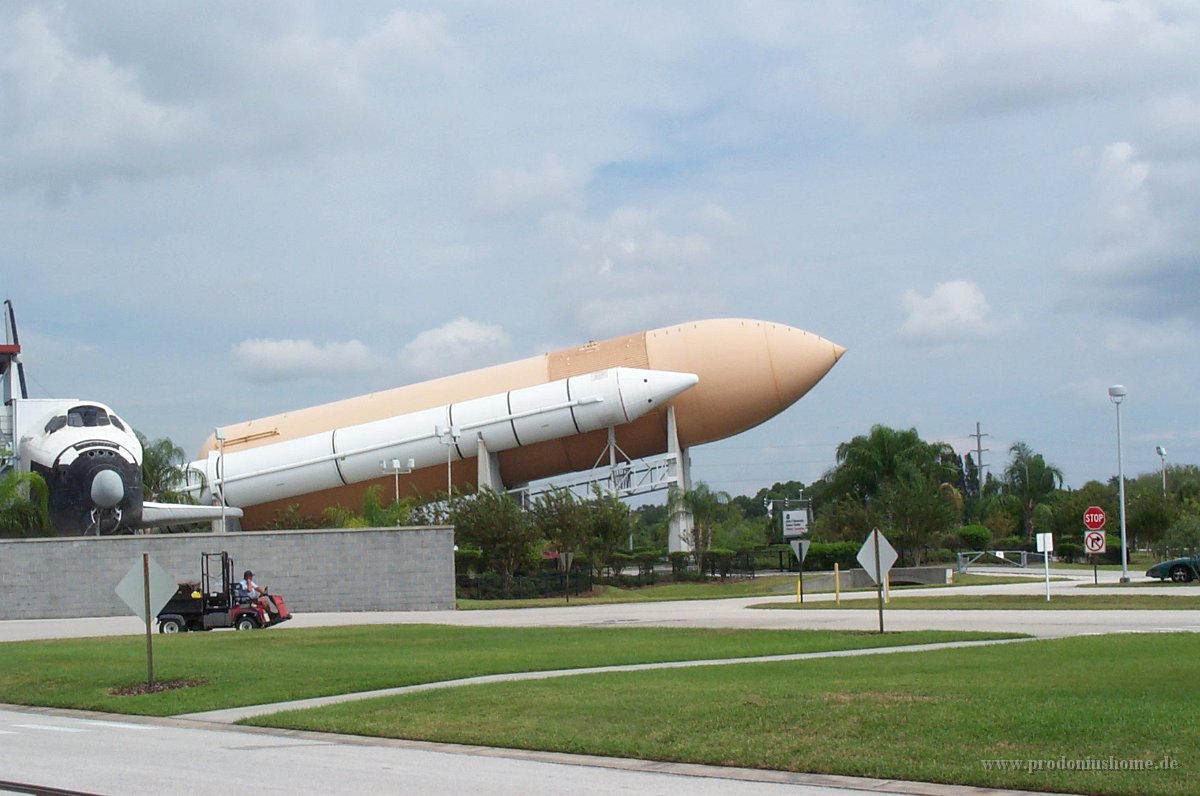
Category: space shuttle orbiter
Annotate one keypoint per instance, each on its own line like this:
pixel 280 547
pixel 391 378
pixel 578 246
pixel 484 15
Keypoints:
pixel 90 458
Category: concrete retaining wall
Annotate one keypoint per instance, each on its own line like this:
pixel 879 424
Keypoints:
pixel 371 569
pixel 859 579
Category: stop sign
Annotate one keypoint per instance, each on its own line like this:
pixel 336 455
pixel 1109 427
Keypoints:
pixel 1093 518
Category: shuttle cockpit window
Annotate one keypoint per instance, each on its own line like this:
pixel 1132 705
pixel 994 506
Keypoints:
pixel 56 423
pixel 116 421
pixel 86 417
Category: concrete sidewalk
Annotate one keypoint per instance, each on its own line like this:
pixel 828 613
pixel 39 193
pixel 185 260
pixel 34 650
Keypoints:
pixel 231 715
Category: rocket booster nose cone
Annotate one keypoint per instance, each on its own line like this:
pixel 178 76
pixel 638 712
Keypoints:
pixel 643 390
pixel 107 489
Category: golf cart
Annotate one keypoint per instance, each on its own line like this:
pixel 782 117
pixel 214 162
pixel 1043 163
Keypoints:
pixel 217 600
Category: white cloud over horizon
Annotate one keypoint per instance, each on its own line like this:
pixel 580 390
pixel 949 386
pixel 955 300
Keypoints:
pixel 289 360
pixel 460 344
pixel 381 192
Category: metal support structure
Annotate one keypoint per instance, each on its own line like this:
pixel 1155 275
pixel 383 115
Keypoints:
pixel 681 525
pixel 489 467
pixel 623 476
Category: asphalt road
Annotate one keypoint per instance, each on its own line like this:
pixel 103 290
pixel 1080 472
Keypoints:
pixel 104 754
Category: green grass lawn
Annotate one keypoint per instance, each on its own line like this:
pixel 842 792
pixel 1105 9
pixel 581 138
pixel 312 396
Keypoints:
pixel 930 716
pixel 762 586
pixel 992 602
pixel 280 665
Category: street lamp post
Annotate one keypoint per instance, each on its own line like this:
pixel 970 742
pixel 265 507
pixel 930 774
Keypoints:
pixel 219 433
pixel 1162 458
pixel 395 467
pixel 449 436
pixel 1116 394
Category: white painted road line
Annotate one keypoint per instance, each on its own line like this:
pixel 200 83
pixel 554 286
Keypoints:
pixel 49 728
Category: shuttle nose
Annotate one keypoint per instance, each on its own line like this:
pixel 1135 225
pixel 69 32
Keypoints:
pixel 798 360
pixel 107 489
pixel 642 390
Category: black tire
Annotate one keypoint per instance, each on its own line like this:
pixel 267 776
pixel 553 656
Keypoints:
pixel 171 624
pixel 1181 574
pixel 246 623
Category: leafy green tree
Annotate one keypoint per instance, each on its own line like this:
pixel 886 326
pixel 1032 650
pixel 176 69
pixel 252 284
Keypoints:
pixel 24 504
pixel 562 520
pixel 611 525
pixel 845 519
pixel 494 523
pixel 651 526
pixel 866 463
pixel 915 511
pixel 1032 481
pixel 1183 537
pixel 373 514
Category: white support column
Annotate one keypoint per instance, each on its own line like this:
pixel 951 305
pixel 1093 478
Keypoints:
pixel 679 474
pixel 489 468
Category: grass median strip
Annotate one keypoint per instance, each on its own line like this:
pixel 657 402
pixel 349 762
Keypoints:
pixel 229 669
pixel 761 586
pixel 1099 714
pixel 994 602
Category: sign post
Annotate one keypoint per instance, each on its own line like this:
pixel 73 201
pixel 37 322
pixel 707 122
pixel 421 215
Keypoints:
pixel 877 556
pixel 795 528
pixel 1093 540
pixel 146 588
pixel 800 548
pixel 1045 546
pixel 1095 543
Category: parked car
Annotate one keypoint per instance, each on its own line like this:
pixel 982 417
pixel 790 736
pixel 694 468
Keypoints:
pixel 1180 570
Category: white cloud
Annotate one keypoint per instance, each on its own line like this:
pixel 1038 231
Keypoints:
pixel 631 272
pixel 550 185
pixel 953 310
pixel 1141 338
pixel 66 112
pixel 80 108
pixel 288 360
pixel 458 345
pixel 1144 256
pixel 955 61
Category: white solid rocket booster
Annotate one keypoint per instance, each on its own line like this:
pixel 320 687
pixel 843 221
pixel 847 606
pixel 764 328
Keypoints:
pixel 504 421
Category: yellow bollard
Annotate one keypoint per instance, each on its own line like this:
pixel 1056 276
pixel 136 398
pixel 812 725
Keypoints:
pixel 887 588
pixel 837 583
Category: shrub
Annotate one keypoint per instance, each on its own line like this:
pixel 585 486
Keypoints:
pixel 1070 552
pixel 823 555
pixel 975 537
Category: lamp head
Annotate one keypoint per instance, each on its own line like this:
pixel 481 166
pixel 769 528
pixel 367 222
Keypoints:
pixel 1160 450
pixel 1116 393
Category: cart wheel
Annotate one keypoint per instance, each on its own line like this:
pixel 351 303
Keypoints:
pixel 246 623
pixel 171 625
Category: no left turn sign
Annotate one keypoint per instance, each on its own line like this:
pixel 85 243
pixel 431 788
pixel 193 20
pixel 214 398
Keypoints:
pixel 1094 542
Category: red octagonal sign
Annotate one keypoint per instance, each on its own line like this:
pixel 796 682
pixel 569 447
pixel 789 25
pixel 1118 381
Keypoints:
pixel 1093 518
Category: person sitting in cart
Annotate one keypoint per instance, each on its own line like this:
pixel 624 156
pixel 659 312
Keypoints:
pixel 256 592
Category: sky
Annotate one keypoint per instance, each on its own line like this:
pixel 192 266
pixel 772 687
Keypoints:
pixel 216 212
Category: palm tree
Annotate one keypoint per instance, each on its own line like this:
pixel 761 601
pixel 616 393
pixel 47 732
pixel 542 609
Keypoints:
pixel 705 508
pixel 24 504
pixel 866 464
pixel 164 471
pixel 1031 480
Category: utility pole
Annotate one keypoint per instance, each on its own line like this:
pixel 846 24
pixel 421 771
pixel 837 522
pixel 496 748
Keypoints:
pixel 979 451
